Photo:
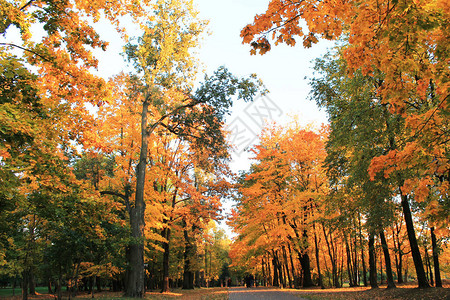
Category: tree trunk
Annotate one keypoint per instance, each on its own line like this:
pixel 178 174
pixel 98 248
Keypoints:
pixel 276 279
pixel 59 285
pixel 286 265
pixel 332 254
pixel 363 261
pixel 349 264
pixel 32 283
pixel 387 261
pixel 294 273
pixel 428 265
pixel 136 273
pixel 25 280
pixel 316 246
pixel 94 282
pixel 165 280
pixel 188 275
pixel 306 265
pixel 437 272
pixel 415 252
pixel 399 256
pixel 372 263
pixel 269 275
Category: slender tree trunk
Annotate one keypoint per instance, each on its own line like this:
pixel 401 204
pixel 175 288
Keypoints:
pixel 363 260
pixel 316 246
pixel 188 275
pixel 332 254
pixel 415 252
pixel 49 286
pixel 294 273
pixel 437 271
pixel 59 284
pixel 381 268
pixel 399 254
pixel 94 282
pixel 286 265
pixel 387 260
pixel 372 263
pixel 135 287
pixel 428 265
pixel 263 272
pixel 349 264
pixel 281 278
pixel 165 280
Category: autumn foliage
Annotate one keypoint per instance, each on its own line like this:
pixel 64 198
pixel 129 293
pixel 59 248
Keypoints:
pixel 118 181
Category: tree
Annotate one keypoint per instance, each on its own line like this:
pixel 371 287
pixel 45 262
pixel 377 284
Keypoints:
pixel 279 198
pixel 401 43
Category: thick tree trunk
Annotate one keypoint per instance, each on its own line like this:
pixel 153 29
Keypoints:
pixel 372 263
pixel 276 276
pixel 437 272
pixel 32 283
pixel 135 287
pixel 306 265
pixel 25 281
pixel 415 252
pixel 387 261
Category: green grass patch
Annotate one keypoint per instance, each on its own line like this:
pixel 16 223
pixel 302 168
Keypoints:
pixel 8 292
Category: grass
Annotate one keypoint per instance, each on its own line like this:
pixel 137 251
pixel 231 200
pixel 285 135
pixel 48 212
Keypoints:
pixel 197 294
pixel 8 292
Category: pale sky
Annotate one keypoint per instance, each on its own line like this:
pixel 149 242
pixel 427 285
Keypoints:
pixel 282 70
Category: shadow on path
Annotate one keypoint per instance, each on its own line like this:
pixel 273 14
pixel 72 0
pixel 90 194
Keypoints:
pixel 242 293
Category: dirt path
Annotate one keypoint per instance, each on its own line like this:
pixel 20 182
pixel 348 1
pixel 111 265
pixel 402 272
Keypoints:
pixel 242 293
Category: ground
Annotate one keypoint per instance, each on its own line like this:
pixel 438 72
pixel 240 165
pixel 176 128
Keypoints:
pixel 406 292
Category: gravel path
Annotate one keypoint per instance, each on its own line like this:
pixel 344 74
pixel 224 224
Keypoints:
pixel 242 293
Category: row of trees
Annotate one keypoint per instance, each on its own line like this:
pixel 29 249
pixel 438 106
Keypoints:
pixel 382 170
pixel 118 178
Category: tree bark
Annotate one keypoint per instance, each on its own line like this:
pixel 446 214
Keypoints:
pixel 165 280
pixel 25 280
pixel 306 265
pixel 316 246
pixel 428 265
pixel 363 261
pixel 32 283
pixel 387 261
pixel 372 263
pixel 415 252
pixel 188 275
pixel 437 272
pixel 135 287
pixel 286 265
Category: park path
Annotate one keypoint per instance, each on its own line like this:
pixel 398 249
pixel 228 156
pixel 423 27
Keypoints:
pixel 243 293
